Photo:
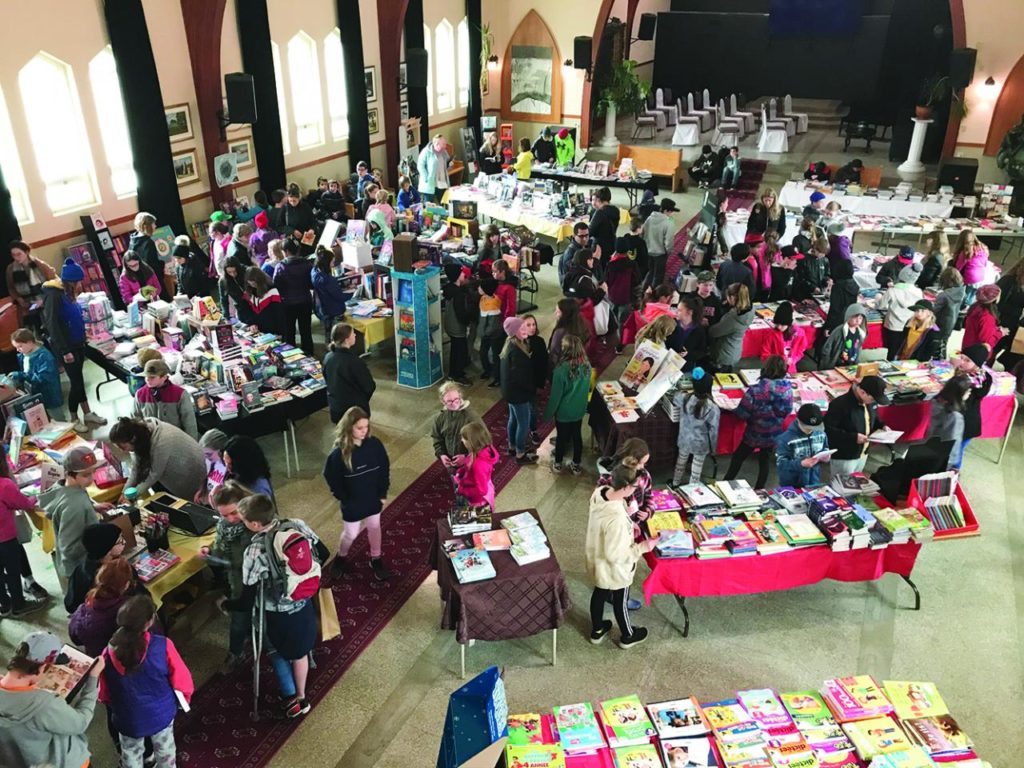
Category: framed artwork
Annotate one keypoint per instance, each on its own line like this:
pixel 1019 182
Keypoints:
pixel 186 167
pixel 531 79
pixel 486 85
pixel 242 147
pixel 373 120
pixel 403 77
pixel 370 76
pixel 405 110
pixel 531 82
pixel 179 122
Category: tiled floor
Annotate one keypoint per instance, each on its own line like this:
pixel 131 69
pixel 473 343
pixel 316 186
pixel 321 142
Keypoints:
pixel 388 710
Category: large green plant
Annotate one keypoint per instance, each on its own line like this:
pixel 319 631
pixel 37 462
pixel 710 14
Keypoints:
pixel 486 43
pixel 936 89
pixel 625 90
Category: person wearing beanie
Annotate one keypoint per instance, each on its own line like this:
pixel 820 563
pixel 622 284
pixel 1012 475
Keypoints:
pixel 705 168
pixel 890 270
pixel 518 387
pixel 849 173
pixel 698 427
pixel 845 291
pixel 818 199
pixel 622 278
pixel 735 270
pixel 456 320
pixel 785 339
pixel 843 345
pixel 981 325
pixel 565 149
pixel 142 243
pixel 165 401
pixel 190 273
pixel 800 450
pixel 490 330
pixel 543 148
pixel 850 419
pixel 260 239
pixel 895 305
pixel 64 324
pixel 971 362
pixel 709 299
pixel 783 274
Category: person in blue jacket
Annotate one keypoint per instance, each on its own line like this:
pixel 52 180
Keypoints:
pixel 328 296
pixel 37 368
pixel 796 448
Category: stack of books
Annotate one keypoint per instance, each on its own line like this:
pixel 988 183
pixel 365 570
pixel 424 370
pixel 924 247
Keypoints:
pixel 578 731
pixel 467 520
pixel 664 500
pixel 676 543
pixel 492 541
pixel 855 698
pixel 938 484
pixel 856 484
pixel 816 725
pixel 799 530
pixel 664 521
pixel 876 736
pixel 789 499
pixel 827 514
pixel 738 496
pixel 529 543
pixel 472 565
pixel 770 538
pixel 944 512
pixel 701 500
pixel 895 523
pixel 626 723
pixel 941 737
pixel 722 537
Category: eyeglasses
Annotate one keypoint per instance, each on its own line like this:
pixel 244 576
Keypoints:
pixel 452 400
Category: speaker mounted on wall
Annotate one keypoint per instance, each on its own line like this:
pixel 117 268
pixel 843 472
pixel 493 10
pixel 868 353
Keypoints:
pixel 416 63
pixel 648 22
pixel 961 67
pixel 241 95
pixel 582 51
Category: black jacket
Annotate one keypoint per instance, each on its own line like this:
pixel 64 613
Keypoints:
pixel 581 284
pixel 539 360
pixel 146 248
pixel 604 223
pixel 1011 303
pixel 361 487
pixel 844 293
pixel 888 272
pixel 734 272
pixel 543 150
pixel 972 408
pixel 760 223
pixel 240 252
pixel 349 382
pixel 298 217
pixel 695 343
pixel 931 268
pixel 929 345
pixel 234 288
pixel 847 175
pixel 844 420
pixel 518 378
pixel 811 277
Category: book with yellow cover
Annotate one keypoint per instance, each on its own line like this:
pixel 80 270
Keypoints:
pixel 912 699
pixel 640 756
pixel 664 521
pixel 534 756
pixel 876 736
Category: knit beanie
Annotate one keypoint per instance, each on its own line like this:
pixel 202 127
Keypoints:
pixel 261 220
pixel 452 272
pixel 512 325
pixel 71 272
pixel 213 439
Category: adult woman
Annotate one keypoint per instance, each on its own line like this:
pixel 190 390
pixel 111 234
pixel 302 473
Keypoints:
pixel 134 276
pixel 580 282
pixel 981 325
pixel 1011 309
pixel 142 243
pixel 970 256
pixel 433 165
pixel 727 334
pixel 328 297
pixel 936 251
pixel 94 622
pixel 349 382
pixel 921 338
pixel 231 293
pixel 298 217
pixel 767 215
pixel 25 278
pixel 785 339
pixel 539 361
pixel 358 472
pixel 947 303
pixel 65 327
pixel 568 322
pixel 164 457
pixel 294 283
pixel 265 302
pixel 947 416
pixel 518 387
pixel 490 154
pixel 245 462
pixel 765 406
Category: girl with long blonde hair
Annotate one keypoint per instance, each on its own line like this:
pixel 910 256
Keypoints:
pixel 659 329
pixel 473 479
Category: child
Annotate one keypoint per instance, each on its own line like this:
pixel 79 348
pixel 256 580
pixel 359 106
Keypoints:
pixel 135 276
pixel 245 462
pixel 981 325
pixel 709 299
pixel 47 729
pixel 191 269
pixel 69 508
pixel 889 271
pixel 921 338
pixel 473 477
pixel 698 427
pixel 936 251
pixel 446 432
pixel 38 369
pixel 783 274
pixel 970 257
pixel 212 442
pixel 843 345
pixel 611 557
pixel 765 406
pixel 331 201
pixel 140 682
pixel 622 277
pixel 812 271
pixel 233 538
pixel 797 448
pixel 947 416
pixel 275 255
pixel 567 405
pixel 490 331
pixel 408 197
pixel 524 162
pixel 94 621
pixel 381 198
pixel 731 168
pixel 785 339
pixel 947 304
pixel 895 304
pixel 103 544
pixel 12 596
pixel 506 291
pixel 165 401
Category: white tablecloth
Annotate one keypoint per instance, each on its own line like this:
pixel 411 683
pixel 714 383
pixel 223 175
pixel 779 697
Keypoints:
pixel 794 194
pixel 735 231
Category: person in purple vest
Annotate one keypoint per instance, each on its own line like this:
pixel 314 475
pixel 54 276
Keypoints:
pixel 140 682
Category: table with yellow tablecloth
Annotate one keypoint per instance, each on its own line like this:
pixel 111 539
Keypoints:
pixel 374 329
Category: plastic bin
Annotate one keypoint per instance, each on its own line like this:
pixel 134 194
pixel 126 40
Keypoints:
pixel 970 527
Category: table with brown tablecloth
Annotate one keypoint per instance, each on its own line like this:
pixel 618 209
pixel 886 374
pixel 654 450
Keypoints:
pixel 519 602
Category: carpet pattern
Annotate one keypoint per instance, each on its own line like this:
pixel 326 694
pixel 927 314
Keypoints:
pixel 218 732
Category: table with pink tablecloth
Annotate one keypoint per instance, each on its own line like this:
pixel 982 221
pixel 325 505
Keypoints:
pixel 753 339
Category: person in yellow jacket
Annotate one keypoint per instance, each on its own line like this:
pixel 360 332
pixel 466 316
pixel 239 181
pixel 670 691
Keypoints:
pixel 611 557
pixel 524 162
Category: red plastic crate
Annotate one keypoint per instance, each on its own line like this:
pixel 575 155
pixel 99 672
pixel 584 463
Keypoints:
pixel 971 522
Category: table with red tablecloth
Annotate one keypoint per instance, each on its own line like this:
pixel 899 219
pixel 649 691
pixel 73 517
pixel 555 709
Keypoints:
pixel 753 339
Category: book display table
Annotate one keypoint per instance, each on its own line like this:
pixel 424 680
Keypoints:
pixel 520 601
pixel 753 339
pixel 375 330
pixel 796 194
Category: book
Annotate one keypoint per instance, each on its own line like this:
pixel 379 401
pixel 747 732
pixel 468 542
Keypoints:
pixel 492 541
pixel 731 723
pixel 876 736
pixel 914 757
pixel 66 675
pixel 807 709
pixel 799 530
pixel 625 721
pixel 911 699
pixel 750 755
pixel 674 544
pixel 940 736
pixel 534 756
pixel 525 729
pixel 695 752
pixel 791 754
pixel 36 417
pixel 663 500
pixel 472 565
pixel 450 546
pixel 678 718
pixel 728 381
pixel 150 565
pixel 625 416
pixel 577 728
pixel 639 756
pixel 664 521
pixel 770 538
pixel 521 520
pixel 855 698
pixel 885 436
pixel 527 553
pixel 643 365
pixel 765 709
pixel 699 495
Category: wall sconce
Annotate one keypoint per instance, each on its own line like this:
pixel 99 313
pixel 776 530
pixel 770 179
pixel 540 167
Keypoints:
pixel 567 67
pixel 990 81
pixel 492 62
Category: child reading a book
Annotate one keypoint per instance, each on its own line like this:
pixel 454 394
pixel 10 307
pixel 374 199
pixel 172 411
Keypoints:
pixel 611 557
pixel 141 683
pixel 567 404
pixel 698 427
pixel 37 369
pixel 47 729
pixel 799 450
pixel 473 477
pixel 446 433
pixel 164 400
pixel 12 595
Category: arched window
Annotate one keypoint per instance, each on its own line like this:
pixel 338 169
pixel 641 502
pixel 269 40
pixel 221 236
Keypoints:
pixel 463 37
pixel 337 98
pixel 106 91
pixel 444 44
pixel 14 174
pixel 304 78
pixel 57 128
pixel 430 69
pixel 282 111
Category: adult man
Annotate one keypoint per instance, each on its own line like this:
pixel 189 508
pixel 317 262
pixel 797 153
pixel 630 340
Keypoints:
pixel 604 223
pixel 851 418
pixel 659 235
pixel 580 238
pixel 544 148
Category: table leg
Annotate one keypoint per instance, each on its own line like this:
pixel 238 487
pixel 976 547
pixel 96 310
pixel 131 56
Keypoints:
pixel 462 658
pixel 917 595
pixel 554 647
pixel 287 456
pixel 1009 430
pixel 108 379
pixel 295 447
pixel 686 615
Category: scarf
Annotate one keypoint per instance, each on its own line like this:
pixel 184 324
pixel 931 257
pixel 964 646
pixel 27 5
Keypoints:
pixel 229 532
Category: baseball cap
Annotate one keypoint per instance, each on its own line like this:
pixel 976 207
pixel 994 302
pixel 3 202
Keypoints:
pixel 809 415
pixel 81 459
pixel 43 647
pixel 874 386
pixel 705 276
pixel 923 304
pixel 906 254
pixel 816 196
pixel 156 368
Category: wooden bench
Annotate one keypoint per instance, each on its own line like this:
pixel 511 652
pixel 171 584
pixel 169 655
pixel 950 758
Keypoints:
pixel 660 162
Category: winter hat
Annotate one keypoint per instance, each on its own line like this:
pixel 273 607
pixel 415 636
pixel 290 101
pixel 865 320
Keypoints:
pixel 99 538
pixel 705 276
pixel 181 252
pixel 817 196
pixel 988 293
pixel 784 314
pixel 906 255
pixel 489 285
pixel 753 237
pixel 810 416
pixel 563 133
pixel 261 220
pixel 71 272
pixel 42 647
pixel 811 213
pixel 976 353
pixel 214 440
pixel 668 204
pixel 790 252
pixel 512 325
pixel 857 164
pixel 908 274
pixel 621 245
pixel 836 228
pixel 156 368
pixel 452 272
pixel 739 252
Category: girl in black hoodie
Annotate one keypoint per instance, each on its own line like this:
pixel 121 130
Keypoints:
pixel 844 293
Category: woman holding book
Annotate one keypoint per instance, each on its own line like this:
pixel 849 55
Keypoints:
pixel 765 406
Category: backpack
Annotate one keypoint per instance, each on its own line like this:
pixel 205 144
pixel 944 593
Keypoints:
pixel 294 568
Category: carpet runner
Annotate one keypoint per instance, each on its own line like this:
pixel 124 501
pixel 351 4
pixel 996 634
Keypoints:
pixel 218 732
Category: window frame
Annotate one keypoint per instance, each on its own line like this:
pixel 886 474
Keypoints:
pixel 14 172
pixel 337 90
pixel 309 134
pixel 282 108
pixel 462 59
pixel 445 93
pixel 115 138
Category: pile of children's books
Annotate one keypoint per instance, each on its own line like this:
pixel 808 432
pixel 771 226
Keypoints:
pixel 855 484
pixel 738 496
pixel 468 519
pixel 850 723
pixel 529 543
pixel 622 408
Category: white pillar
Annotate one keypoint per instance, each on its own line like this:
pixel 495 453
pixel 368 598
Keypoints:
pixel 912 168
pixel 610 139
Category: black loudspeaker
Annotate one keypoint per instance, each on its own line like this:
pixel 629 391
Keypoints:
pixel 959 173
pixel 648 21
pixel 416 67
pixel 961 66
pixel 241 97
pixel 581 52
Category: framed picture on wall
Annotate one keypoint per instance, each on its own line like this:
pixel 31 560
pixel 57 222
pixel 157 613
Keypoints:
pixel 405 110
pixel 373 120
pixel 243 148
pixel 179 122
pixel 186 167
pixel 403 77
pixel 370 76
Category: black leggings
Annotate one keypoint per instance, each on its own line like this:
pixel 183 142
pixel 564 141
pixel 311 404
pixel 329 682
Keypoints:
pixel 302 314
pixel 76 395
pixel 569 433
pixel 764 457
pixel 619 599
pixel 11 595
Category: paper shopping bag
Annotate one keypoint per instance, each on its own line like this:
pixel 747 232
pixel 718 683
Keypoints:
pixel 330 628
pixel 1017 347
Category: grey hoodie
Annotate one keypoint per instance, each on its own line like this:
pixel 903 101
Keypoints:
pixel 833 345
pixel 47 729
pixel 71 510
pixel 947 308
pixel 727 336
pixel 659 233
pixel 176 462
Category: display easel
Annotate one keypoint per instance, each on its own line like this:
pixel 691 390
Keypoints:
pixel 507 142
pixel 417 303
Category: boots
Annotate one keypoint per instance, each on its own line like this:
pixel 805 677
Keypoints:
pixel 380 571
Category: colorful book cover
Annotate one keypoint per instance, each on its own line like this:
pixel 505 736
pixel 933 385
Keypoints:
pixel 678 718
pixel 799 529
pixel 876 736
pixel 696 752
pixel 577 727
pixel 912 699
pixel 764 707
pixel 663 500
pixel 796 754
pixel 843 759
pixel 914 757
pixel 625 721
pixel 856 697
pixel 939 735
pixel 492 541
pixel 643 365
pixel 745 755
pixel 472 565
pixel 730 722
pixel 664 521
pixel 534 756
pixel 525 729
pixel 807 709
pixel 639 756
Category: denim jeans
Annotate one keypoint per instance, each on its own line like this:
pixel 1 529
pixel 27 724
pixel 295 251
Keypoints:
pixel 239 628
pixel 519 425
pixel 283 672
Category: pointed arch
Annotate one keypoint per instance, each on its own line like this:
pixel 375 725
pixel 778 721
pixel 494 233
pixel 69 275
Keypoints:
pixel 1008 109
pixel 530 49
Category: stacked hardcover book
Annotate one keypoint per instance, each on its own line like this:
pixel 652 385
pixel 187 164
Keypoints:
pixel 528 541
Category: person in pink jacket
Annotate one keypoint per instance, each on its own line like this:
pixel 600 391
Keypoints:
pixel 981 325
pixel 134 276
pixel 785 339
pixel 970 258
pixel 473 479
pixel 12 596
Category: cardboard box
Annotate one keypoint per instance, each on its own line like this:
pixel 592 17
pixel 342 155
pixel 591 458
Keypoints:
pixel 404 251
pixel 356 255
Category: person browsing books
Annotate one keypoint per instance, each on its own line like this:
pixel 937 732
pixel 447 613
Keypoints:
pixel 103 544
pixel 37 368
pixel 785 339
pixel 164 457
pixel 567 404
pixel 165 401
pixel 698 426
pixel 12 595
pixel 765 406
pixel 473 477
pixel 851 418
pixel 800 450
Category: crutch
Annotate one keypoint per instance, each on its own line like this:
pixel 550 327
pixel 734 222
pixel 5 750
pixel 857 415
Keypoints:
pixel 258 608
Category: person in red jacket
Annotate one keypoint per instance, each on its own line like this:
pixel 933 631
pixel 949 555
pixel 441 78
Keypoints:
pixel 622 276
pixel 785 339
pixel 473 479
pixel 506 288
pixel 981 325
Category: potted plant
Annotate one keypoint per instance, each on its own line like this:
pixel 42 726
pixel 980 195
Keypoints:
pixel 486 44
pixel 935 90
pixel 624 92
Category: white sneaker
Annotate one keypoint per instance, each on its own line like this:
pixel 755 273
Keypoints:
pixel 94 418
pixel 79 427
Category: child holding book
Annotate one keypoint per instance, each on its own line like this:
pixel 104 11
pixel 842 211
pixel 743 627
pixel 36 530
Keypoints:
pixel 567 404
pixel 797 449
pixel 785 339
pixel 611 556
pixel 446 433
pixel 143 677
pixel 37 369
pixel 698 426
pixel 473 479
pixel 12 595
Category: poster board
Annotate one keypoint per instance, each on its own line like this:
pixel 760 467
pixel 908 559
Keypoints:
pixel 476 725
pixel 469 149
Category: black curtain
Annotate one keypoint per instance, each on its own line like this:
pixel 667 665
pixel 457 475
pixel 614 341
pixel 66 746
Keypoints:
pixel 355 86
pixel 475 109
pixel 144 108
pixel 254 36
pixel 9 229
pixel 414 39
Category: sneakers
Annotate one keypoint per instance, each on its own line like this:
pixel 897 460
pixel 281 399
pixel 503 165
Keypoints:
pixel 29 606
pixel 526 458
pixel 598 635
pixel 79 427
pixel 556 467
pixel 297 708
pixel 34 589
pixel 95 419
pixel 231 663
pixel 639 636
pixel 576 469
pixel 634 604
pixel 380 571
pixel 535 438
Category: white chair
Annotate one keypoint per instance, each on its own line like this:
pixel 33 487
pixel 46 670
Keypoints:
pixel 727 133
pixel 724 118
pixel 671 112
pixel 707 119
pixel 706 102
pixel 789 121
pixel 773 137
pixel 800 117
pixel 651 111
pixel 687 132
pixel 748 117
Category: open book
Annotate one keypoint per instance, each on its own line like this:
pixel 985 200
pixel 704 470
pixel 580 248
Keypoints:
pixel 67 675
